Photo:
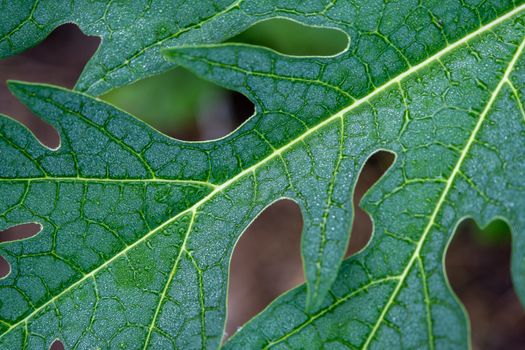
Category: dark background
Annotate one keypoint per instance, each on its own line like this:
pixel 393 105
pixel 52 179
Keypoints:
pixel 267 260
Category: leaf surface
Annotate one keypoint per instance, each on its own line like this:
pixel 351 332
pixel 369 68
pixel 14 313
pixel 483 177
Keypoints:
pixel 459 143
pixel 138 228
pixel 134 32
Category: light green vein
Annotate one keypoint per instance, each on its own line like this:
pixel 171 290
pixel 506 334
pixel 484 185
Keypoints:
pixel 274 76
pixel 330 308
pixel 427 304
pixel 168 282
pixel 516 94
pixel 21 24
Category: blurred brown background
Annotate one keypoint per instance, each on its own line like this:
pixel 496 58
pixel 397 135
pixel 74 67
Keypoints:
pixel 267 260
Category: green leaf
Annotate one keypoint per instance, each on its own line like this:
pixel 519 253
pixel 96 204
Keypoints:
pixel 138 228
pixel 132 32
pixel 456 122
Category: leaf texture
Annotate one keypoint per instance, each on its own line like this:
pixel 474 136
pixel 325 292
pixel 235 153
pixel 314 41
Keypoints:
pixel 138 228
pixel 133 32
pixel 459 146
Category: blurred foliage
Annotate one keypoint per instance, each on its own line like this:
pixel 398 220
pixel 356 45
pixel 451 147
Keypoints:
pixel 300 40
pixel 496 233
pixel 167 101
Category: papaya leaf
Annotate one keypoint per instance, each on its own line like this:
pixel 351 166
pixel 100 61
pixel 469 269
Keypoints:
pixel 138 228
pixel 456 123
pixel 133 32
